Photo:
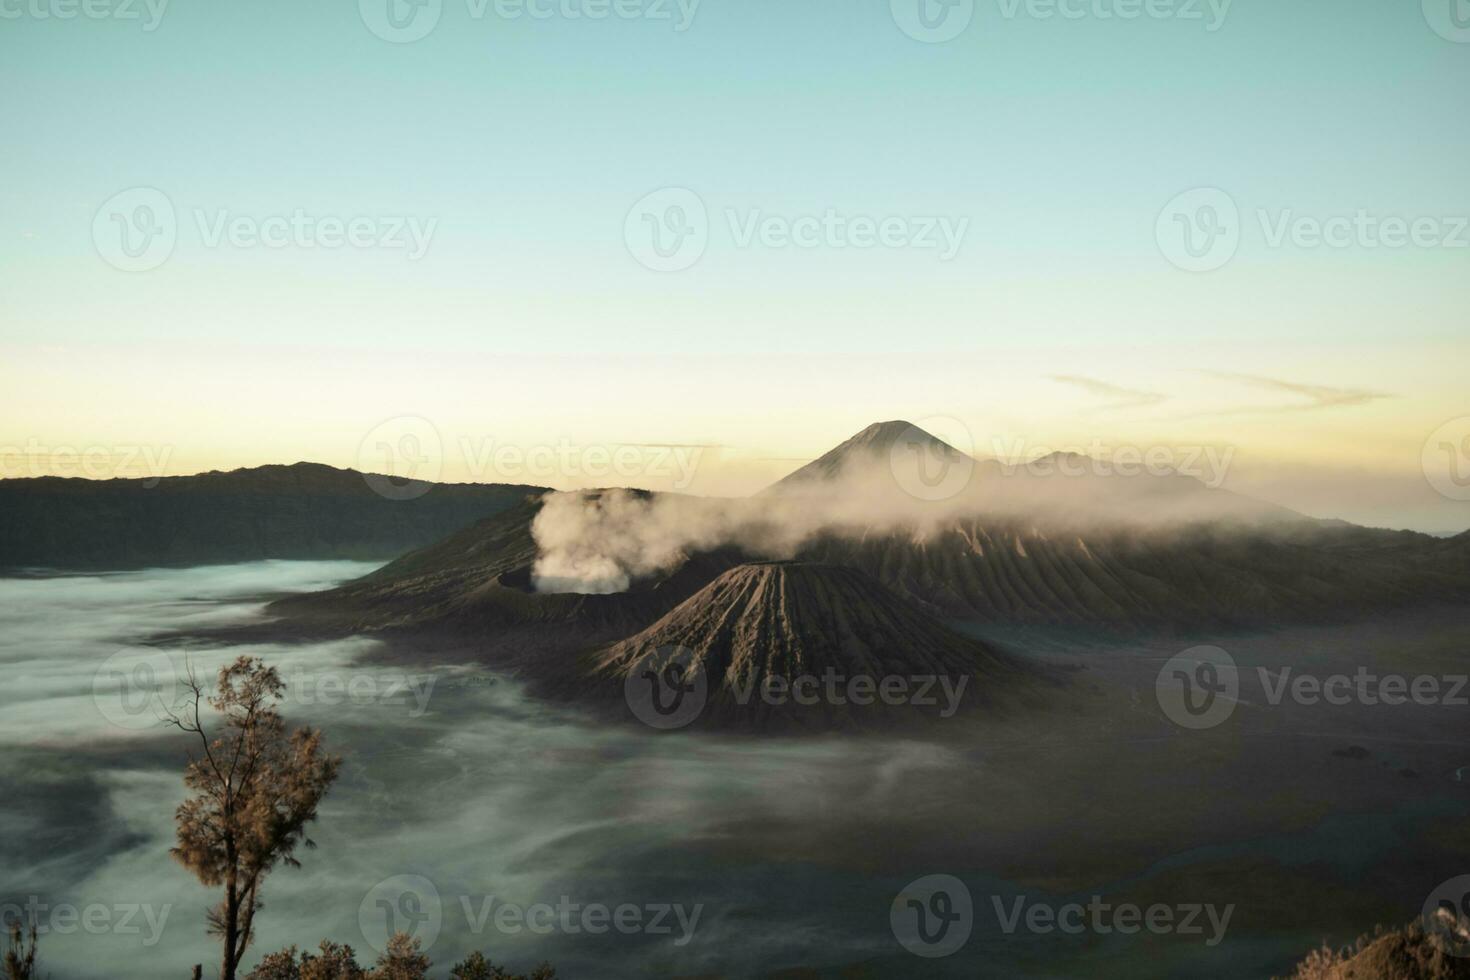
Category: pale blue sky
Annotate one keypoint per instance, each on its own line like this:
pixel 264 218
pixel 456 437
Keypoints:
pixel 529 140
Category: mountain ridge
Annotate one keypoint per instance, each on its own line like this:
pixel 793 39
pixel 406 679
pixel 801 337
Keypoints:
pixel 301 510
pixel 1238 565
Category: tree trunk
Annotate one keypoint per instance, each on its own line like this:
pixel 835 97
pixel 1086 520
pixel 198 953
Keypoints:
pixel 232 917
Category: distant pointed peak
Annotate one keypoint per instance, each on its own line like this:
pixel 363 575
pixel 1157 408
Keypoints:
pixel 874 441
pixel 895 426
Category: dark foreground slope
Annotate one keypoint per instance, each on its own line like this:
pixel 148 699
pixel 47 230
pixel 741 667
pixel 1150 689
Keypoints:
pixel 304 511
pixel 1410 953
pixel 749 635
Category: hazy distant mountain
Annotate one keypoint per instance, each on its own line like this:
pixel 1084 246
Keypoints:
pixel 917 472
pixel 1066 541
pixel 302 511
pixel 879 442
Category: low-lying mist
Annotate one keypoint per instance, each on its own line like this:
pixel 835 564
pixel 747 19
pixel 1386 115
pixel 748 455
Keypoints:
pixel 792 850
pixel 490 795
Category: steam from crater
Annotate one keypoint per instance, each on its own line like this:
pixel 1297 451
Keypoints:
pixel 890 478
pixel 601 541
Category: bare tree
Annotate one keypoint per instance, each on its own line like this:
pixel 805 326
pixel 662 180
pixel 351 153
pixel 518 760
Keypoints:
pixel 254 787
pixel 20 954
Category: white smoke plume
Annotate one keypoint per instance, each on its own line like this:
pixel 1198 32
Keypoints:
pixel 601 542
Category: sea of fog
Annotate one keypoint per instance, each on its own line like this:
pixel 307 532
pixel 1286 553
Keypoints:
pixel 479 818
pixel 458 796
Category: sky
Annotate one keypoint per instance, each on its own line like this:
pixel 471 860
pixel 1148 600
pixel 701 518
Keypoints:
pixel 233 234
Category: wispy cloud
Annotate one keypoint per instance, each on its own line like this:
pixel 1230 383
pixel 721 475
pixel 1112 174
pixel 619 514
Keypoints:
pixel 1116 395
pixel 1317 396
